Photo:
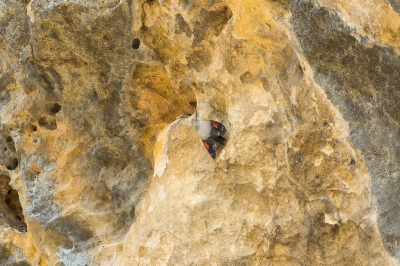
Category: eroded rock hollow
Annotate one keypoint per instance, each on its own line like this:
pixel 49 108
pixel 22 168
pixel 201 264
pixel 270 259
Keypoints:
pixel 100 163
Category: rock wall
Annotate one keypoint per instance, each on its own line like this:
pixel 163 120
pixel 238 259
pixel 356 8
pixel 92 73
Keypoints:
pixel 101 164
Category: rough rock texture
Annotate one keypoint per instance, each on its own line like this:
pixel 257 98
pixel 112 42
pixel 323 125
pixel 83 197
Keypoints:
pixel 101 165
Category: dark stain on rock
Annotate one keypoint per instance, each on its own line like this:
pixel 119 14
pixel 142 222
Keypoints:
pixel 396 5
pixel 199 59
pixel 72 227
pixel 182 26
pixel 109 158
pixel 5 253
pixel 21 263
pixel 5 79
pixel 48 123
pixel 184 3
pixel 247 77
pixel 363 81
pixel 5 96
pixel 211 23
pixel 108 114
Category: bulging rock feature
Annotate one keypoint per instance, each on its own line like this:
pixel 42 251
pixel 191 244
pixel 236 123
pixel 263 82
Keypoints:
pixel 101 163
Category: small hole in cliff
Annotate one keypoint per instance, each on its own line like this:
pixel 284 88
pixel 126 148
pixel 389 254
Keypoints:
pixel 352 161
pixel 55 108
pixel 9 192
pixel 193 104
pixel 34 128
pixel 34 141
pixel 9 139
pixel 49 123
pixel 19 218
pixel 5 149
pixel 12 164
pixel 135 43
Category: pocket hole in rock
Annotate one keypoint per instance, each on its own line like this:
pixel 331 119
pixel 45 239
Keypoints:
pixel 55 108
pixel 9 139
pixel 135 43
pixel 13 214
pixel 49 123
pixel 34 128
pixel 12 164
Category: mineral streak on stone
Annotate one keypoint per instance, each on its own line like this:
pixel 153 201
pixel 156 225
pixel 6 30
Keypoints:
pixel 100 164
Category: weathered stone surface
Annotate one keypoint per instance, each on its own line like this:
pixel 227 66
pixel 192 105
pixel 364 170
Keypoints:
pixel 104 166
pixel 368 95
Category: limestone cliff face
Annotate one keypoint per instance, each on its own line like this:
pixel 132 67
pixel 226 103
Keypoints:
pixel 101 165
